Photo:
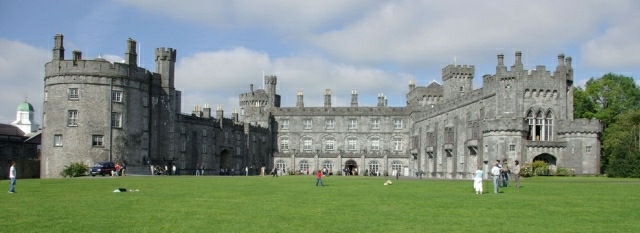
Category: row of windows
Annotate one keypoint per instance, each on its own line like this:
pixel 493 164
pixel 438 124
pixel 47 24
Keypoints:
pixel 74 94
pixel 97 140
pixel 352 123
pixel 73 116
pixel 351 143
pixel 304 165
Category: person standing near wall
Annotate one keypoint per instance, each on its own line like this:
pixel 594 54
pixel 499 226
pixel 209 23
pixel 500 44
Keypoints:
pixel 12 177
pixel 516 173
pixel 496 172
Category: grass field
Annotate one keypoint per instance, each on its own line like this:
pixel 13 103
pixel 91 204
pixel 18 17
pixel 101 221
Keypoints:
pixel 294 204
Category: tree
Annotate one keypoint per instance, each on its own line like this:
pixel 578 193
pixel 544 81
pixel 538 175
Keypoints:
pixel 623 146
pixel 608 98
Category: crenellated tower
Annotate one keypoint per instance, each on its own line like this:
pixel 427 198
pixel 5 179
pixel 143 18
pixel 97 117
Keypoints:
pixel 165 66
pixel 458 80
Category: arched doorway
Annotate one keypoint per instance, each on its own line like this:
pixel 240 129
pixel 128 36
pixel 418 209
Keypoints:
pixel 547 158
pixel 225 159
pixel 350 167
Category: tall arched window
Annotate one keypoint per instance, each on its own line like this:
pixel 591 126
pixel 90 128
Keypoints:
pixel 396 165
pixel 548 126
pixel 532 125
pixel 304 165
pixel 280 164
pixel 328 164
pixel 374 166
pixel 475 130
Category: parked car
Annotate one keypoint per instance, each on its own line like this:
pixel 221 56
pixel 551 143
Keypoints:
pixel 103 168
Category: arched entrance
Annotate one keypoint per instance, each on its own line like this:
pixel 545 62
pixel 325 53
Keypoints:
pixel 350 167
pixel 547 158
pixel 225 159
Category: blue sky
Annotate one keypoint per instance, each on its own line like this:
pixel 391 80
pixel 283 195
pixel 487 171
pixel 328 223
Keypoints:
pixel 367 45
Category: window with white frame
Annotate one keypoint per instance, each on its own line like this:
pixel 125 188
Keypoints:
pixel 72 118
pixel 397 144
pixel 285 124
pixel 74 93
pixel 57 140
pixel 548 126
pixel 329 144
pixel 352 123
pixel 116 96
pixel 375 144
pixel 280 164
pixel 540 126
pixel 307 144
pixel 304 165
pixel 307 123
pixel 375 123
pixel 328 164
pixel 284 144
pixel 96 140
pixel 397 123
pixel 116 120
pixel 374 166
pixel 396 165
pixel 352 144
pixel 330 123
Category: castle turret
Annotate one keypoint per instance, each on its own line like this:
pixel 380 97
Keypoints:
pixel 354 98
pixel 327 98
pixel 234 115
pixel 458 80
pixel 131 57
pixel 270 86
pixel 518 63
pixel 58 49
pixel 380 99
pixel 165 66
pixel 300 102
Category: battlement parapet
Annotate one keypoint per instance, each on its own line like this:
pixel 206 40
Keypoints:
pixel 163 54
pixel 579 126
pixel 457 71
pixel 504 124
pixel 270 79
pixel 340 111
pixel 98 67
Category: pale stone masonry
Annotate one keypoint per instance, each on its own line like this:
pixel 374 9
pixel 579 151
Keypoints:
pixel 95 110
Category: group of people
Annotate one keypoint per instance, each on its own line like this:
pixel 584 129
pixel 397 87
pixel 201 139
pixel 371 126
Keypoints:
pixel 120 170
pixel 499 174
pixel 200 170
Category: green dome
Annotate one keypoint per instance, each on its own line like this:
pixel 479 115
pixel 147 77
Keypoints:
pixel 25 106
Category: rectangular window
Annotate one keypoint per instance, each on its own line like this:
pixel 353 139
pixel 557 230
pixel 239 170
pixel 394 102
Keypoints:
pixel 307 123
pixel 97 140
pixel 116 96
pixel 397 144
pixel 72 118
pixel 285 124
pixel 306 143
pixel 351 144
pixel 144 143
pixel 375 144
pixel 182 130
pixel 204 148
pixel 284 144
pixel 145 101
pixel 183 146
pixel 330 123
pixel 329 145
pixel 116 120
pixel 353 123
pixel 57 140
pixel 588 149
pixel 375 123
pixel 397 123
pixel 512 147
pixel 204 132
pixel 74 94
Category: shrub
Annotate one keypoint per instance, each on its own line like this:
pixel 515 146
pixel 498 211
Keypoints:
pixel 562 171
pixel 74 170
pixel 540 168
pixel 527 170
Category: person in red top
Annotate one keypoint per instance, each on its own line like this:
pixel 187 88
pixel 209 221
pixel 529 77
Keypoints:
pixel 319 178
pixel 117 169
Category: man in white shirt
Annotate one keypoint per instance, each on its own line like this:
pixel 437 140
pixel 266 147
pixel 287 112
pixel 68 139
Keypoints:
pixel 495 173
pixel 12 176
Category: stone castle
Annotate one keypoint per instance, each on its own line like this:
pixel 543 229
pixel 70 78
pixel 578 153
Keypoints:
pixel 95 110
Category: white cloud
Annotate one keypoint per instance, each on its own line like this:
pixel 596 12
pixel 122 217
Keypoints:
pixel 21 75
pixel 617 48
pixel 219 77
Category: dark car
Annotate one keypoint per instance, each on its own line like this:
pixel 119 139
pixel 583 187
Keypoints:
pixel 103 168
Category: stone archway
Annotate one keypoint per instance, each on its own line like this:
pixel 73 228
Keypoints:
pixel 350 166
pixel 547 158
pixel 225 159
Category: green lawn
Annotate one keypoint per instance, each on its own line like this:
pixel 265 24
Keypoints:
pixel 294 204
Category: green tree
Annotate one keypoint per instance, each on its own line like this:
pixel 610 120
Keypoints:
pixel 623 146
pixel 607 98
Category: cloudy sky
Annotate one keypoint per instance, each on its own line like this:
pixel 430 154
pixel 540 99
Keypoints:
pixel 370 46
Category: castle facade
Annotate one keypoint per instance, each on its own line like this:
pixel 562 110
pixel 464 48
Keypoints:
pixel 95 110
